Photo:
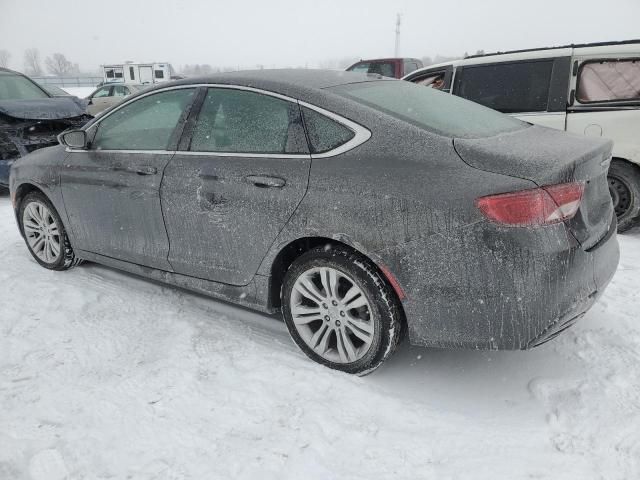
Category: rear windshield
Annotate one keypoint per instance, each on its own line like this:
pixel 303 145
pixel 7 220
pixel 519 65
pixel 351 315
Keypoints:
pixel 430 109
pixel 17 87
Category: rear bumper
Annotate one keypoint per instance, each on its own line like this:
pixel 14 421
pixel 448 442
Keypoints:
pixel 490 287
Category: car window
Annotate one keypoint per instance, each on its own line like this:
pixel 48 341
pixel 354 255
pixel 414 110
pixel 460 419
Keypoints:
pixel 144 124
pixel 430 109
pixel 240 121
pixel 17 87
pixel 102 92
pixel 433 80
pixel 609 80
pixel 324 133
pixel 386 69
pixel 120 91
pixel 507 87
pixel 409 67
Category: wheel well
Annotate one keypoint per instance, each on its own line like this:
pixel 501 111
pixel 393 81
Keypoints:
pixel 23 190
pixel 295 249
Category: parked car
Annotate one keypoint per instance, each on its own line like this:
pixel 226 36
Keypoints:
pixel 31 118
pixel 589 89
pixel 359 206
pixel 387 67
pixel 107 96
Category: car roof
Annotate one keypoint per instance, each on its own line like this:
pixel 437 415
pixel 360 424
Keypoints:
pixel 290 82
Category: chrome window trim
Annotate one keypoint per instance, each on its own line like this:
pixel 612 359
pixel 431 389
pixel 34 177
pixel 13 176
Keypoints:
pixel 361 134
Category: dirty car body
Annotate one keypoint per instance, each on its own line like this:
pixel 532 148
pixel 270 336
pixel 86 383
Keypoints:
pixel 31 118
pixel 417 188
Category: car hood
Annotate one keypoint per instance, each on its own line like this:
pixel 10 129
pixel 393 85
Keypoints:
pixel 44 108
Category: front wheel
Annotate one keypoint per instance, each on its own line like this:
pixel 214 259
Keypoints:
pixel 44 233
pixel 340 310
pixel 624 187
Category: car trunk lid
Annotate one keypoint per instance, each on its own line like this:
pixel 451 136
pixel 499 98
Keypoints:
pixel 550 157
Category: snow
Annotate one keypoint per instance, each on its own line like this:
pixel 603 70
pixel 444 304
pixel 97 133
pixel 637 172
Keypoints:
pixel 105 375
pixel 80 92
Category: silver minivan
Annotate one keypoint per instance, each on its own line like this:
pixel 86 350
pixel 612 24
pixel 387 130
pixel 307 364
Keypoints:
pixel 589 89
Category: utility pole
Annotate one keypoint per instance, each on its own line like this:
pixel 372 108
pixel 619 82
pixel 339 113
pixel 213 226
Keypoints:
pixel 397 49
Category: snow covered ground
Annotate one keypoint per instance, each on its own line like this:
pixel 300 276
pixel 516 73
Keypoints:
pixel 80 92
pixel 104 375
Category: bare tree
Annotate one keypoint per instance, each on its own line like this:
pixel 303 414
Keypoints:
pixel 58 64
pixel 4 58
pixel 32 62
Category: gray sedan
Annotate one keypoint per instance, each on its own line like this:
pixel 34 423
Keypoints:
pixel 363 208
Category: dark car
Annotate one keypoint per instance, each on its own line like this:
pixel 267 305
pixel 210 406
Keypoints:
pixel 361 207
pixel 31 118
pixel 387 67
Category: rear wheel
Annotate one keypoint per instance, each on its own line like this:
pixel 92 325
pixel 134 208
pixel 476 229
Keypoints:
pixel 340 311
pixel 624 187
pixel 44 233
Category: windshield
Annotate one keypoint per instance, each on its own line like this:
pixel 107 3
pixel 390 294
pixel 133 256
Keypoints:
pixel 17 87
pixel 430 109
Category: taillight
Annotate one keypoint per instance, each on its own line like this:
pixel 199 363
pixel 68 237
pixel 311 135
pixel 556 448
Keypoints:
pixel 538 206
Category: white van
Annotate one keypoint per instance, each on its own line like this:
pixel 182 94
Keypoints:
pixel 137 73
pixel 590 89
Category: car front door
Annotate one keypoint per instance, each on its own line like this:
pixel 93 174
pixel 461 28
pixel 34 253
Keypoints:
pixel 242 169
pixel 111 190
pixel 99 100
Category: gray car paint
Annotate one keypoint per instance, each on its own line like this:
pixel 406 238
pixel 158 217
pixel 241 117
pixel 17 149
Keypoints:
pixel 405 198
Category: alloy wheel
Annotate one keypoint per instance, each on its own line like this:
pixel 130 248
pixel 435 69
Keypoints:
pixel 332 314
pixel 42 232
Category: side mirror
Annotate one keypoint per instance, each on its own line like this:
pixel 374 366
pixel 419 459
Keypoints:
pixel 73 139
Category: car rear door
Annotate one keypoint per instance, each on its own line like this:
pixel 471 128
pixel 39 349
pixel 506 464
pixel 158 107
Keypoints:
pixel 534 90
pixel 111 190
pixel 241 170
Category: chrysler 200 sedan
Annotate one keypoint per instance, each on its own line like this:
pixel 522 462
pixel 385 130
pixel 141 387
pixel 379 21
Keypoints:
pixel 360 207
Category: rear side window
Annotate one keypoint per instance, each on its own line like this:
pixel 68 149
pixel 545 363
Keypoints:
pixel 145 124
pixel 507 87
pixel 240 121
pixel 608 81
pixel 324 133
pixel 430 109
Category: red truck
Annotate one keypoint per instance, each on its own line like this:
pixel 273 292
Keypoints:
pixel 387 67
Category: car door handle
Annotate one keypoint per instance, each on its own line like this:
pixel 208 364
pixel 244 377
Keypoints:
pixel 141 170
pixel 266 181
pixel 145 170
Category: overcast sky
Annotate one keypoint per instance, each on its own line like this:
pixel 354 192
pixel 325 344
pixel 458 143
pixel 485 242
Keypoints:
pixel 280 33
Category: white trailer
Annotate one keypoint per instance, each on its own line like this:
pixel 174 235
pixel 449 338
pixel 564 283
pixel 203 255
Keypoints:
pixel 139 73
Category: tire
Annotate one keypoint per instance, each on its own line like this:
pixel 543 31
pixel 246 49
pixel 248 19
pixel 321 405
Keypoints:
pixel 361 330
pixel 63 258
pixel 624 186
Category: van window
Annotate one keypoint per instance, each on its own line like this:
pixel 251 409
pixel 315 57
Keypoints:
pixel 131 73
pixel 159 74
pixel 608 81
pixel 507 87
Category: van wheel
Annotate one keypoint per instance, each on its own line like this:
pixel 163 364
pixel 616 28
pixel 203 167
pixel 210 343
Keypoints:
pixel 340 310
pixel 624 187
